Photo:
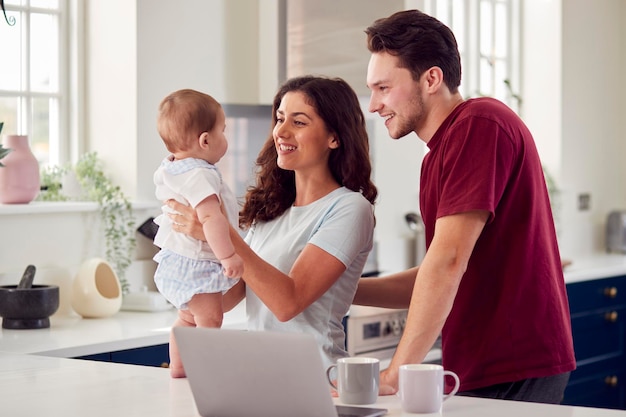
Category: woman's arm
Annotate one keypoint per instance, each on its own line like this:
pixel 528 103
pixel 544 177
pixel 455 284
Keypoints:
pixel 313 273
pixel 392 291
pixel 234 296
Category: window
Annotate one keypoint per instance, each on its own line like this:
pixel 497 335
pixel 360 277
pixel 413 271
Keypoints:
pixel 488 35
pixel 33 75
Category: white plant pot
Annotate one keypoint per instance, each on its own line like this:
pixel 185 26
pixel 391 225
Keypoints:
pixel 96 291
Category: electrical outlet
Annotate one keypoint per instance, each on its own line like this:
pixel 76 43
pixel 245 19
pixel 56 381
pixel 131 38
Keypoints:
pixel 584 201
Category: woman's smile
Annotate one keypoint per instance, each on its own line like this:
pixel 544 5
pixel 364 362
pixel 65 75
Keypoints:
pixel 285 148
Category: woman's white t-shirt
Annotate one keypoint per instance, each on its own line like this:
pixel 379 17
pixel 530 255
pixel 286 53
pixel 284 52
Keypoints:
pixel 340 223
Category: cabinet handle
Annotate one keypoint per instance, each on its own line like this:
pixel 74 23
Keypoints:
pixel 611 316
pixel 611 381
pixel 610 292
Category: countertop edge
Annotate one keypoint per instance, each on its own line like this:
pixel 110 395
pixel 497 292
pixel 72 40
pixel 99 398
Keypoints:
pixel 595 267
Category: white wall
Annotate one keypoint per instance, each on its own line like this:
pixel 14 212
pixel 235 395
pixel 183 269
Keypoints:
pixel 111 87
pixel 594 127
pixel 574 61
pixel 541 77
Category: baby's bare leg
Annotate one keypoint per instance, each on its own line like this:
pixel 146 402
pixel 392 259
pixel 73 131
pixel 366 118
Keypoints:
pixel 185 319
pixel 207 309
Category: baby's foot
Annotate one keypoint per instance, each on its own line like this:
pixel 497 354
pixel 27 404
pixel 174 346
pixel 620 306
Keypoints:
pixel 177 372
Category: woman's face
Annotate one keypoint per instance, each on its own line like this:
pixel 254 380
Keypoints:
pixel 303 143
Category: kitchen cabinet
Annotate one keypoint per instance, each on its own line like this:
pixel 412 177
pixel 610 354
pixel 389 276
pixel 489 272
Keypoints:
pixel 327 37
pixel 157 355
pixel 598 313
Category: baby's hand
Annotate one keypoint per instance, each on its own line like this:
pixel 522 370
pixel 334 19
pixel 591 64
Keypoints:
pixel 233 266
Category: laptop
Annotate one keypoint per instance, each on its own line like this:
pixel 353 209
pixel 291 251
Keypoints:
pixel 243 373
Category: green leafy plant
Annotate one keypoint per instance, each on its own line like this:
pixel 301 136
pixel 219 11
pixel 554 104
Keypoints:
pixel 3 151
pixel 115 208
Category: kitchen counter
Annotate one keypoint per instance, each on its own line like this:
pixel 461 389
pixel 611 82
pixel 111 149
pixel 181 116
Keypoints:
pixel 36 378
pixel 72 336
pixel 594 267
pixel 34 385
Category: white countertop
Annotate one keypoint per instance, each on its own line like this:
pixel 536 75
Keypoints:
pixel 32 385
pixel 594 267
pixel 35 379
pixel 71 336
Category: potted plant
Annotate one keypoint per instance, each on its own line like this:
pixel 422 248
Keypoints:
pixel 115 208
pixel 3 151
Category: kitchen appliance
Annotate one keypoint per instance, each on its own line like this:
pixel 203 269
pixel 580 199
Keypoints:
pixel 616 231
pixel 416 224
pixel 375 332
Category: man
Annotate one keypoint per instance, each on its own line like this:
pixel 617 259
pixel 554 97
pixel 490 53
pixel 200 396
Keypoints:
pixel 491 281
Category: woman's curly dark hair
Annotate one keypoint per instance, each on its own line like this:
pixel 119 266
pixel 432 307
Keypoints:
pixel 338 105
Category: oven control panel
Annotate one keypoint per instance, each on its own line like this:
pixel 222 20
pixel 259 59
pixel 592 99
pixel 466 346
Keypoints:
pixel 371 329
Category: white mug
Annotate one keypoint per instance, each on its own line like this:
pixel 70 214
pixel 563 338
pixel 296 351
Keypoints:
pixel 421 387
pixel 357 380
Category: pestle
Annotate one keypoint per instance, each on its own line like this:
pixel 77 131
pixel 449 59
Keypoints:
pixel 27 278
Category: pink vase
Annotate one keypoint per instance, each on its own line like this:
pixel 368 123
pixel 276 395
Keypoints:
pixel 19 178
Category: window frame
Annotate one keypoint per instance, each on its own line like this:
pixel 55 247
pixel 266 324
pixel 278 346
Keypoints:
pixel 61 139
pixel 471 57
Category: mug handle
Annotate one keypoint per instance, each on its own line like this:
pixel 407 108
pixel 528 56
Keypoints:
pixel 457 383
pixel 328 378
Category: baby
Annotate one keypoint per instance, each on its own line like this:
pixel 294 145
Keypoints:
pixel 193 275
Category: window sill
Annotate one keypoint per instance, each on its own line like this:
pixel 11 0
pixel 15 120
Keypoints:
pixel 50 207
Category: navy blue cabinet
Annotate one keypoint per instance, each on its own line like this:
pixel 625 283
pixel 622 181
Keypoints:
pixel 598 310
pixel 157 355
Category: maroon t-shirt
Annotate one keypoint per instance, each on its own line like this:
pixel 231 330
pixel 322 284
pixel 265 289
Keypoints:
pixel 510 319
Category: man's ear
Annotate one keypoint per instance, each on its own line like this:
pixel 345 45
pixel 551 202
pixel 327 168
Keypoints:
pixel 434 78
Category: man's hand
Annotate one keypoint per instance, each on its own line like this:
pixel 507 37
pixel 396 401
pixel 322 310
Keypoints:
pixel 388 383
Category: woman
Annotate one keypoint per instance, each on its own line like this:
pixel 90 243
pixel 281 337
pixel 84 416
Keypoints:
pixel 310 215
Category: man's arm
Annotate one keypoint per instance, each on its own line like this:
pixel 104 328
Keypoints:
pixel 435 289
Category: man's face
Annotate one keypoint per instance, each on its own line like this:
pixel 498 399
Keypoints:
pixel 395 96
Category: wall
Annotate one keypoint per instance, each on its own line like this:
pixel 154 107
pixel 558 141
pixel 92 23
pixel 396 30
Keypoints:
pixel 573 90
pixel 111 87
pixel 593 123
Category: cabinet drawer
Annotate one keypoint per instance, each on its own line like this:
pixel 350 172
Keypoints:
pixel 597 294
pixel 605 390
pixel 604 367
pixel 599 335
